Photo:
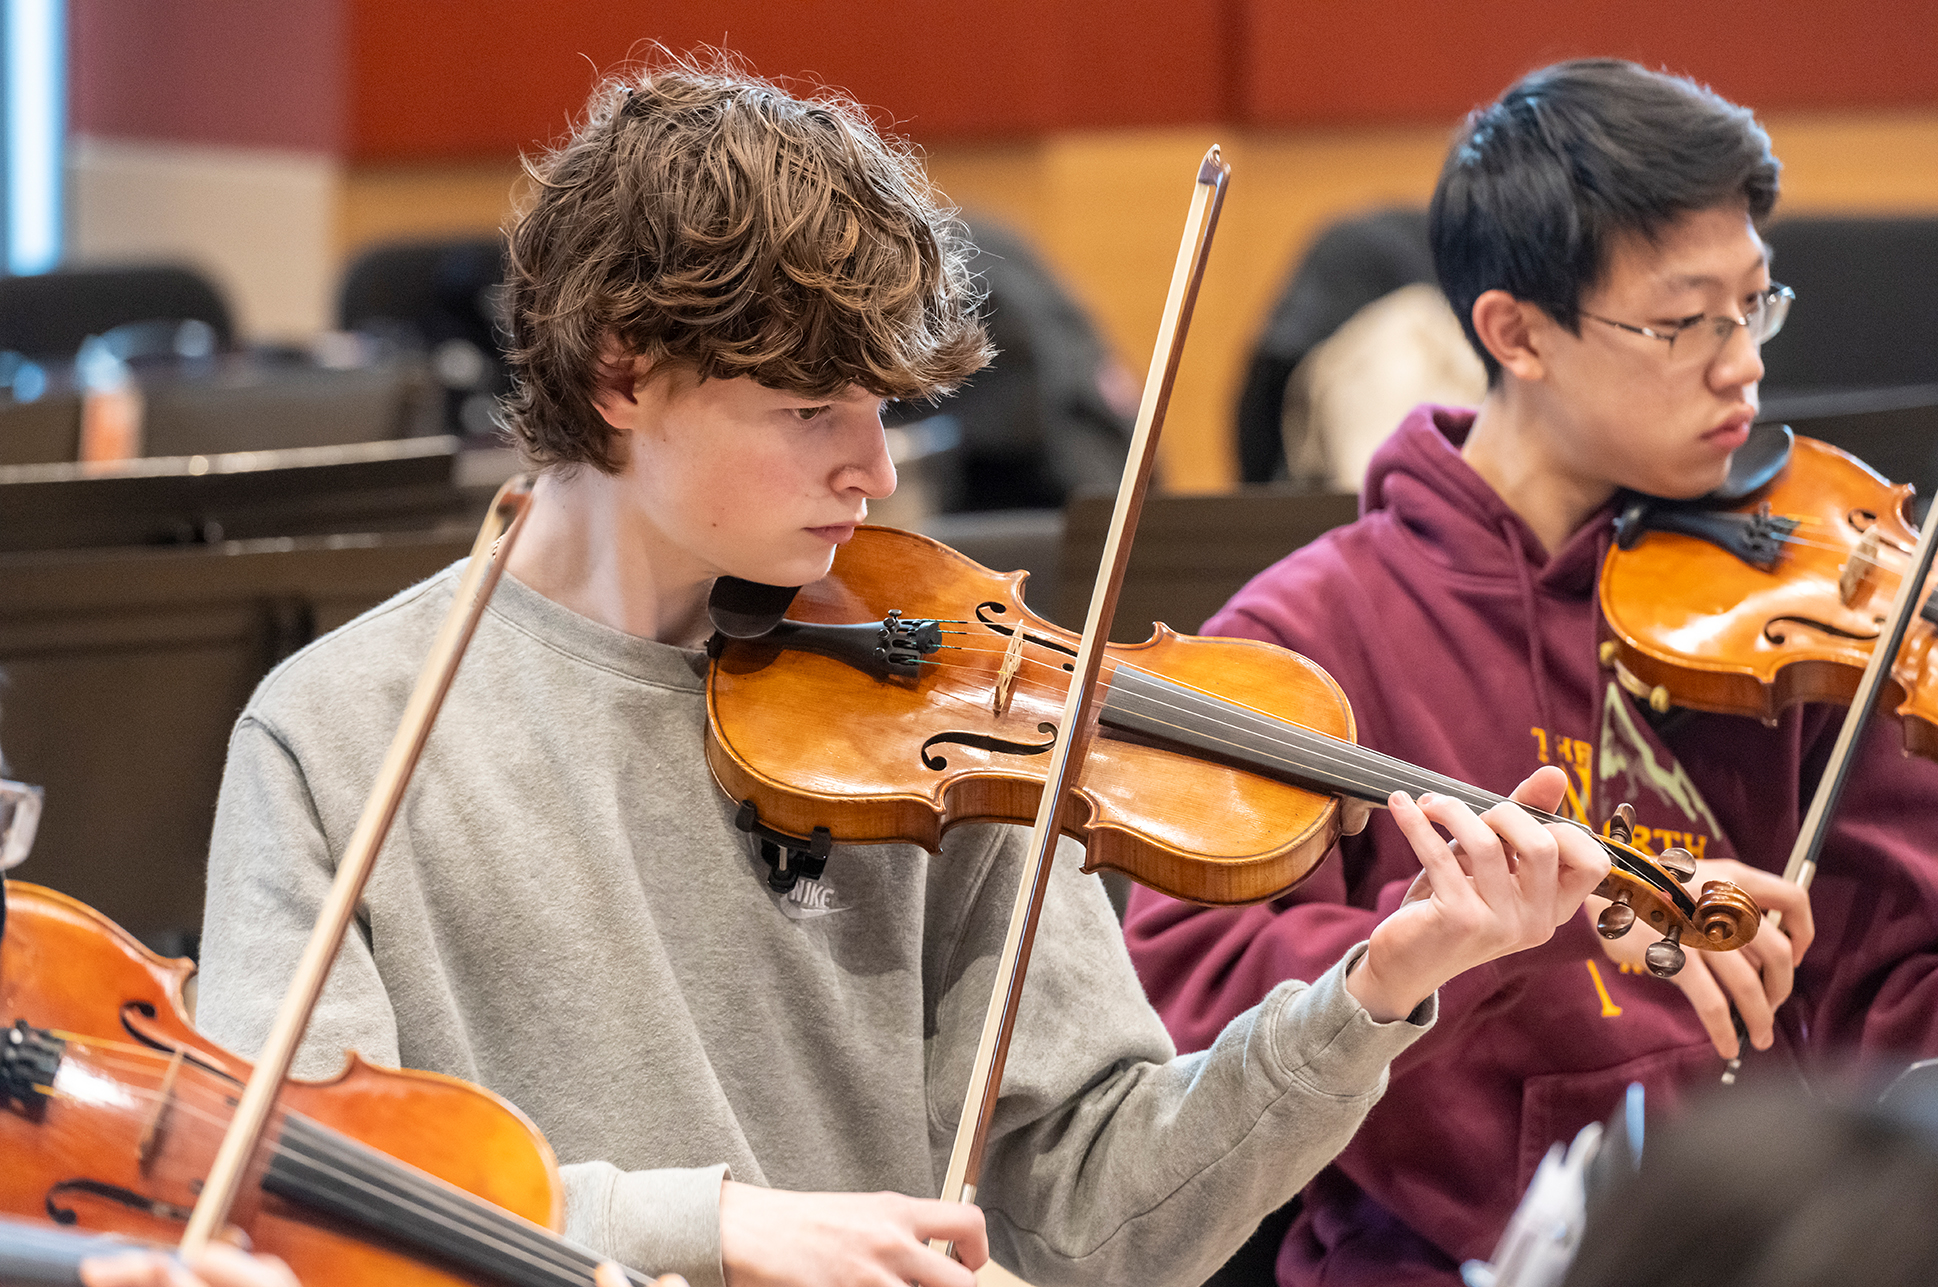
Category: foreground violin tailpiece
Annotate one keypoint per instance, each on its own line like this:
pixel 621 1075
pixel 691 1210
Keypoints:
pixel 112 1106
pixel 1773 598
pixel 910 690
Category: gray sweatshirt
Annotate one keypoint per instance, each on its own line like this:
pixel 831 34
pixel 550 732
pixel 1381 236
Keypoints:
pixel 565 913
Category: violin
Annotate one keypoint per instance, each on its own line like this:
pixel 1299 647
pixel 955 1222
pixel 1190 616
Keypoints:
pixel 1771 591
pixel 1213 770
pixel 112 1105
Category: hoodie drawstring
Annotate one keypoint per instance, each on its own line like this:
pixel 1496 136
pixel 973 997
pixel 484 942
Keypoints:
pixel 1537 657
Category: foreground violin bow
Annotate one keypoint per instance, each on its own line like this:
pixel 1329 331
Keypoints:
pixel 1802 867
pixel 488 555
pixel 985 1080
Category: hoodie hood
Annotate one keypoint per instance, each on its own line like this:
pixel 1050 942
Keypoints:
pixel 1420 479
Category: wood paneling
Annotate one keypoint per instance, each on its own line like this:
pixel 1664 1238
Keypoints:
pixel 1341 62
pixel 462 78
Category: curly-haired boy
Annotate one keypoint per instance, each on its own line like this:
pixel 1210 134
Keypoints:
pixel 715 288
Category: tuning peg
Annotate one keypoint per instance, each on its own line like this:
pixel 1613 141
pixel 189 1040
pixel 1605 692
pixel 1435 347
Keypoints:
pixel 1622 825
pixel 1665 958
pixel 1616 918
pixel 1678 862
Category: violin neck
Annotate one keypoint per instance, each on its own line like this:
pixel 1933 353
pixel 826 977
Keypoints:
pixel 1162 710
pixel 322 1170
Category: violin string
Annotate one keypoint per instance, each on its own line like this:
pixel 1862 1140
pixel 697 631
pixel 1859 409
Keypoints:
pixel 1313 748
pixel 468 1215
pixel 1336 757
pixel 1339 758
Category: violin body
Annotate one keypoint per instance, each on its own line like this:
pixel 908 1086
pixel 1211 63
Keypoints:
pixel 1690 624
pixel 1212 769
pixel 139 1101
pixel 903 758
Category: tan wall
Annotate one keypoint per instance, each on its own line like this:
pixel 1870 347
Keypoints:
pixel 1106 209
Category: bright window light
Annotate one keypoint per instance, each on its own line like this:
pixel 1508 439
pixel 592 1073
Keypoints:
pixel 36 54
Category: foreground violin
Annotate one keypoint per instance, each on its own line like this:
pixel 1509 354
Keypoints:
pixel 911 689
pixel 112 1104
pixel 1771 591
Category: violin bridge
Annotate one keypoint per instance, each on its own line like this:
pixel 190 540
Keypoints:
pixel 1859 577
pixel 1006 672
pixel 152 1130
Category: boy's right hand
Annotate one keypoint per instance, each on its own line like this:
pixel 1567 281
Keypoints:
pixel 771 1237
pixel 1756 978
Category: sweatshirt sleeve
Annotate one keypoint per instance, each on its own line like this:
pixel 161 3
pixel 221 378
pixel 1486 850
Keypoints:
pixel 664 1221
pixel 1111 1160
pixel 270 870
pixel 1204 966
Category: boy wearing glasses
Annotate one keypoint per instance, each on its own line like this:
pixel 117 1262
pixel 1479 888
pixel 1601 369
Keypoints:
pixel 1596 230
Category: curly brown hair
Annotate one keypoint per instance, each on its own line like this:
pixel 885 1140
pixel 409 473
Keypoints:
pixel 704 217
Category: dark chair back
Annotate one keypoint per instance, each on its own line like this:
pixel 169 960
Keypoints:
pixel 49 314
pixel 1192 553
pixel 125 672
pixel 439 297
pixel 1867 311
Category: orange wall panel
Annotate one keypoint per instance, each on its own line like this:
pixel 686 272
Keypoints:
pixel 1327 62
pixel 457 78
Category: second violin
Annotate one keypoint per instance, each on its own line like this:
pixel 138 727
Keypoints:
pixel 1770 592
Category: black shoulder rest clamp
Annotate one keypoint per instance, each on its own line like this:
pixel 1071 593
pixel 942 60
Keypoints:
pixel 749 610
pixel 1756 538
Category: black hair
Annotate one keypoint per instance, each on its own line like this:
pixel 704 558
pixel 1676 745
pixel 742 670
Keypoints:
pixel 1540 183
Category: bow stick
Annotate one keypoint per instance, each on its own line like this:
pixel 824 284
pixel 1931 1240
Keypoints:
pixel 1802 867
pixel 488 555
pixel 986 1076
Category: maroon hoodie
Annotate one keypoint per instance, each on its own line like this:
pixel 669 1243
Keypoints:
pixel 1465 649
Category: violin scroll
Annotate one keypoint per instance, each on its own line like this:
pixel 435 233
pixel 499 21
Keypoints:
pixel 1648 889
pixel 1725 914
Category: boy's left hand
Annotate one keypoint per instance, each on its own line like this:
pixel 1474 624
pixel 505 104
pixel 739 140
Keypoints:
pixel 1502 885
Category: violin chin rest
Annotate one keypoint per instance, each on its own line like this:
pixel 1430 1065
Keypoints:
pixel 748 609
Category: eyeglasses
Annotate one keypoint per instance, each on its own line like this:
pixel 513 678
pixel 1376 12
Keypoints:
pixel 19 816
pixel 1704 336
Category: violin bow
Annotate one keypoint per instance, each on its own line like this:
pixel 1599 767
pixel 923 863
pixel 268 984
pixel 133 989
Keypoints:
pixel 488 555
pixel 992 1051
pixel 1802 867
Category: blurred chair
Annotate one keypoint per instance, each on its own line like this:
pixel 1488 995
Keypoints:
pixel 439 298
pixel 1867 311
pixel 1351 264
pixel 1051 416
pixel 1192 553
pixel 1857 362
pixel 48 315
